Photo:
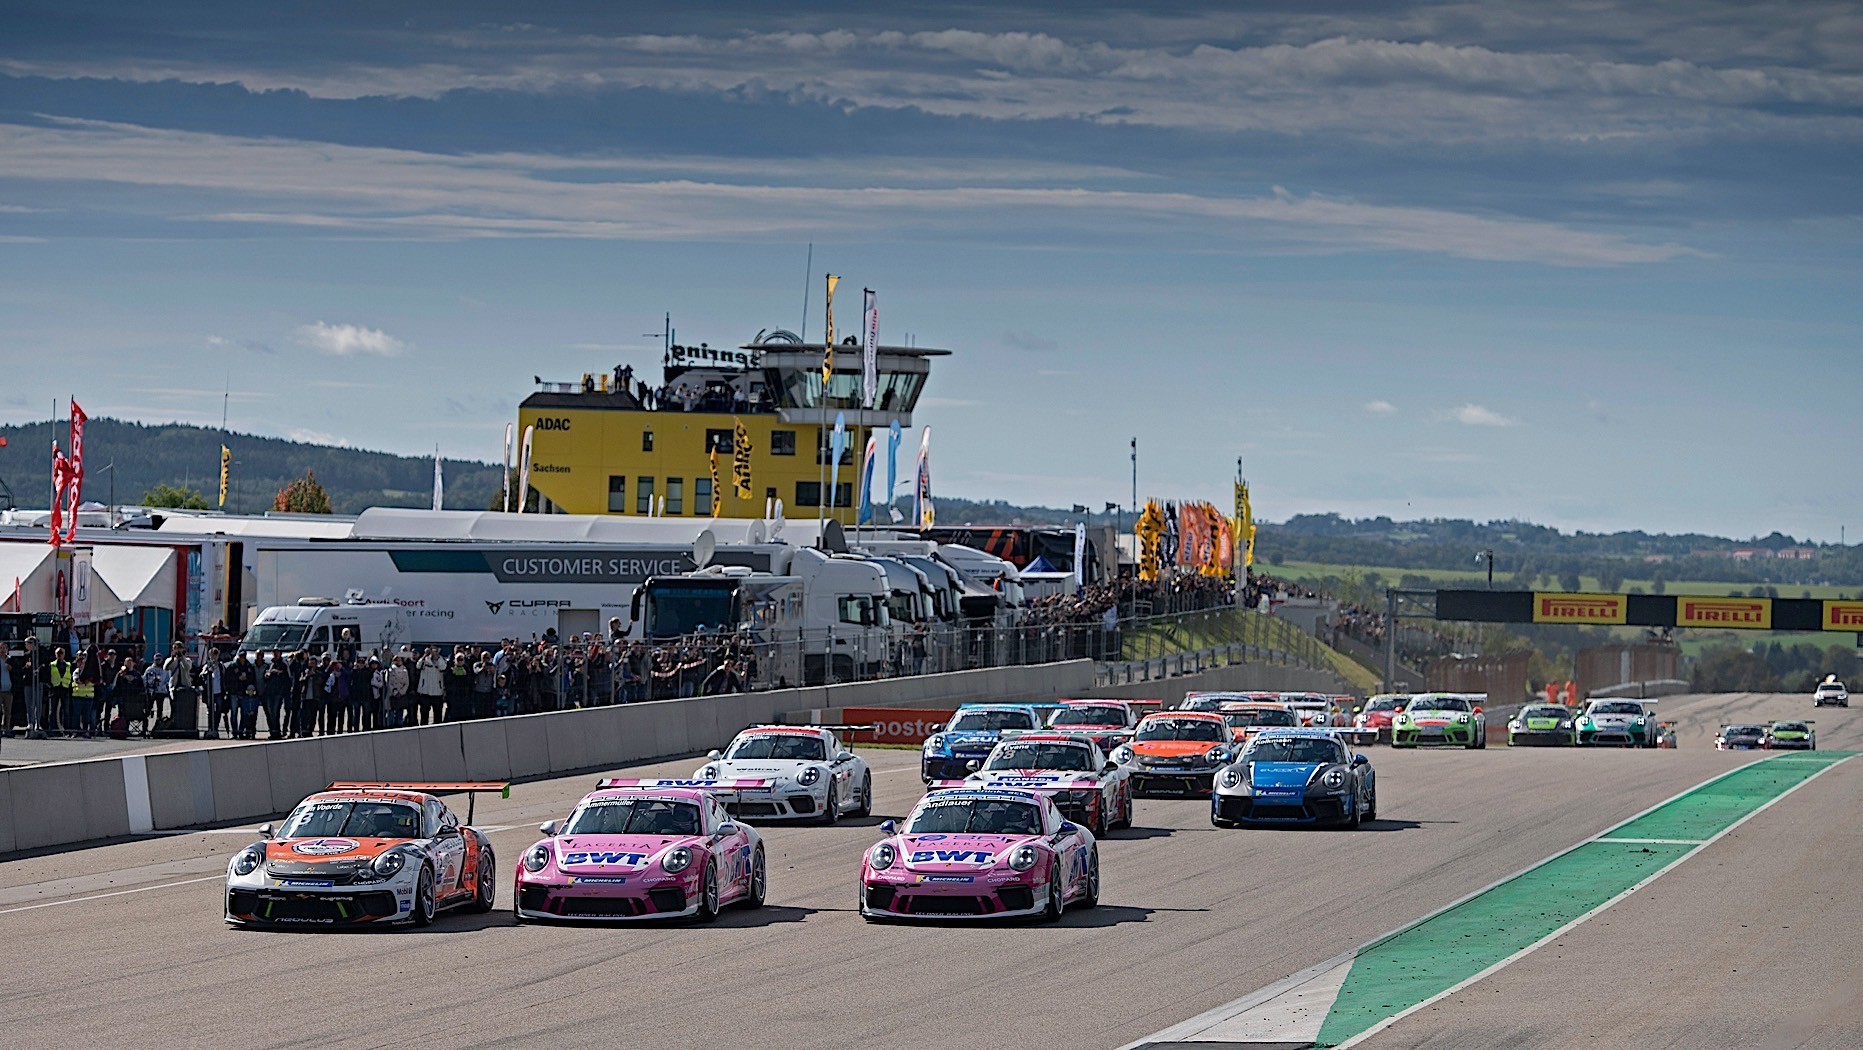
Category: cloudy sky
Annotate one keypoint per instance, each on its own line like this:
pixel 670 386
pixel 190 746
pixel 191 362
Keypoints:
pixel 1592 264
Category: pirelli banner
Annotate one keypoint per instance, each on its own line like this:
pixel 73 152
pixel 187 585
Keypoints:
pixel 1701 611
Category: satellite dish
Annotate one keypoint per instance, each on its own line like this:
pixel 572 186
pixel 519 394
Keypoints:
pixel 754 535
pixel 703 548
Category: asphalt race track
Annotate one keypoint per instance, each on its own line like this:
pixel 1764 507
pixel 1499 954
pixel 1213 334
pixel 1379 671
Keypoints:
pixel 1753 941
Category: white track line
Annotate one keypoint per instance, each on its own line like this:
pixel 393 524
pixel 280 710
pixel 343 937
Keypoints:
pixel 113 893
pixel 1568 927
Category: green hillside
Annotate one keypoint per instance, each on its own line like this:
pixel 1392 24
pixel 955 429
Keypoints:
pixel 174 454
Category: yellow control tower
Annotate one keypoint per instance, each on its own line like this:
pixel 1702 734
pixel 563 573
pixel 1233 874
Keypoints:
pixel 621 443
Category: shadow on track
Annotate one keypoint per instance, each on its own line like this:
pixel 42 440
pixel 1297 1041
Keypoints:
pixel 1112 915
pixel 1139 833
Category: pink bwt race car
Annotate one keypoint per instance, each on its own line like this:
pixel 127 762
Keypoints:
pixel 645 849
pixel 989 853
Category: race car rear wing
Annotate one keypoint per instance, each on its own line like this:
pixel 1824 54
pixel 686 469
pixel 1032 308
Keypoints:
pixel 728 786
pixel 472 788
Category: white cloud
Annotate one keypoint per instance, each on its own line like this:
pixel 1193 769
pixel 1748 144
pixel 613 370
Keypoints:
pixel 1380 408
pixel 348 340
pixel 1476 416
pixel 315 437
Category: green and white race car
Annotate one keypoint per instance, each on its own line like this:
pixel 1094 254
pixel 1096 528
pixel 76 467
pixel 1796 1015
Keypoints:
pixel 1542 725
pixel 1440 720
pixel 1622 723
pixel 1790 736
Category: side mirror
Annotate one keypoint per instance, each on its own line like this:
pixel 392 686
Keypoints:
pixel 1478 710
pixel 1356 710
pixel 1360 760
pixel 845 756
pixel 548 828
pixel 888 828
pixel 266 831
pixel 713 755
pixel 1067 827
pixel 1111 767
pixel 725 830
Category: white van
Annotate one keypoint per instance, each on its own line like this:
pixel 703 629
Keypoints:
pixel 315 625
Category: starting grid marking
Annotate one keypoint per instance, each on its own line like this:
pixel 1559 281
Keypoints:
pixel 1348 999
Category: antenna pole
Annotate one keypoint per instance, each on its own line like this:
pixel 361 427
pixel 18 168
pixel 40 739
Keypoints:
pixel 808 276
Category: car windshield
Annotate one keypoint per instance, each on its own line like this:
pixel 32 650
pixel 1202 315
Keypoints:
pixel 1437 703
pixel 1097 715
pixel 976 817
pixel 1543 712
pixel 990 721
pixel 284 637
pixel 1181 729
pixel 1741 731
pixel 1389 703
pixel 1203 703
pixel 805 748
pixel 634 816
pixel 1619 707
pixel 1788 727
pixel 1261 716
pixel 1294 749
pixel 367 819
pixel 1041 755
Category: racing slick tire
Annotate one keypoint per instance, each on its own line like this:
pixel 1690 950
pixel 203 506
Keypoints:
pixel 708 895
pixel 832 811
pixel 485 886
pixel 1371 804
pixel 1057 902
pixel 865 809
pixel 1353 820
pixel 423 911
pixel 1091 899
pixel 1098 824
pixel 759 881
pixel 1125 810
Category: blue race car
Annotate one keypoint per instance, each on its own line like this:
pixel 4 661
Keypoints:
pixel 1296 777
pixel 962 746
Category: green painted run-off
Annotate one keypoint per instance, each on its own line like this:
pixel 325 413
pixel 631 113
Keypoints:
pixel 1425 960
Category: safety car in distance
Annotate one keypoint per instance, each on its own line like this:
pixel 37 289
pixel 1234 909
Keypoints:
pixel 1624 723
pixel 811 775
pixel 1067 768
pixel 644 849
pixel 1175 754
pixel 1378 712
pixel 1296 776
pixel 985 852
pixel 1830 691
pixel 1108 722
pixel 961 747
pixel 363 853
pixel 1790 736
pixel 1542 725
pixel 1741 736
pixel 1247 719
pixel 1440 719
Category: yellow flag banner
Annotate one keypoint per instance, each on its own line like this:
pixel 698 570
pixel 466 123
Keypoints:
pixel 740 459
pixel 717 490
pixel 1149 530
pixel 828 339
pixel 226 462
pixel 1245 524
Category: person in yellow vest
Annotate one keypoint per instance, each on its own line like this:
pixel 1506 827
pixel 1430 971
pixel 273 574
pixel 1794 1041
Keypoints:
pixel 58 692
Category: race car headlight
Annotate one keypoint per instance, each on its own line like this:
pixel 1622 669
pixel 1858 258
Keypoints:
pixel 883 856
pixel 1565 723
pixel 1024 858
pixel 677 859
pixel 1402 720
pixel 538 858
pixel 388 864
pixel 1122 754
pixel 934 744
pixel 1636 721
pixel 809 776
pixel 1461 716
pixel 1229 777
pixel 709 773
pixel 248 860
pixel 1218 753
pixel 1584 723
pixel 1335 778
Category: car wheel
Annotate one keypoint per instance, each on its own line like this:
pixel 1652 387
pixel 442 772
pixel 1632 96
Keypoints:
pixel 865 809
pixel 708 894
pixel 759 881
pixel 485 884
pixel 832 811
pixel 1371 803
pixel 1056 902
pixel 1091 898
pixel 1098 824
pixel 423 898
pixel 1125 809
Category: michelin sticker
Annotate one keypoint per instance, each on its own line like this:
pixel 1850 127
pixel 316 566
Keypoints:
pixel 325 847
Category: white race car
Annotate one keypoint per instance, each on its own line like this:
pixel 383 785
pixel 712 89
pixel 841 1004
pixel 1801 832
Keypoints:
pixel 812 775
pixel 1069 768
pixel 1830 691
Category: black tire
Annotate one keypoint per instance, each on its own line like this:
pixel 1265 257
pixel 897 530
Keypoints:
pixel 1092 897
pixel 1057 903
pixel 708 895
pixel 1098 827
pixel 759 881
pixel 1125 812
pixel 1353 820
pixel 832 811
pixel 423 898
pixel 1371 806
pixel 485 883
pixel 865 809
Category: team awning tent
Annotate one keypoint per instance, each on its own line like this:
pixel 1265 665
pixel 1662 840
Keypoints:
pixel 140 577
pixel 26 572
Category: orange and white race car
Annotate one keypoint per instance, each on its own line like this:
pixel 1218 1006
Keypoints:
pixel 1175 754
pixel 365 853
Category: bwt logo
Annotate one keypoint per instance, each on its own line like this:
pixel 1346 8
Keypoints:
pixel 950 856
pixel 1724 612
pixel 1577 608
pixel 630 859
pixel 553 423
